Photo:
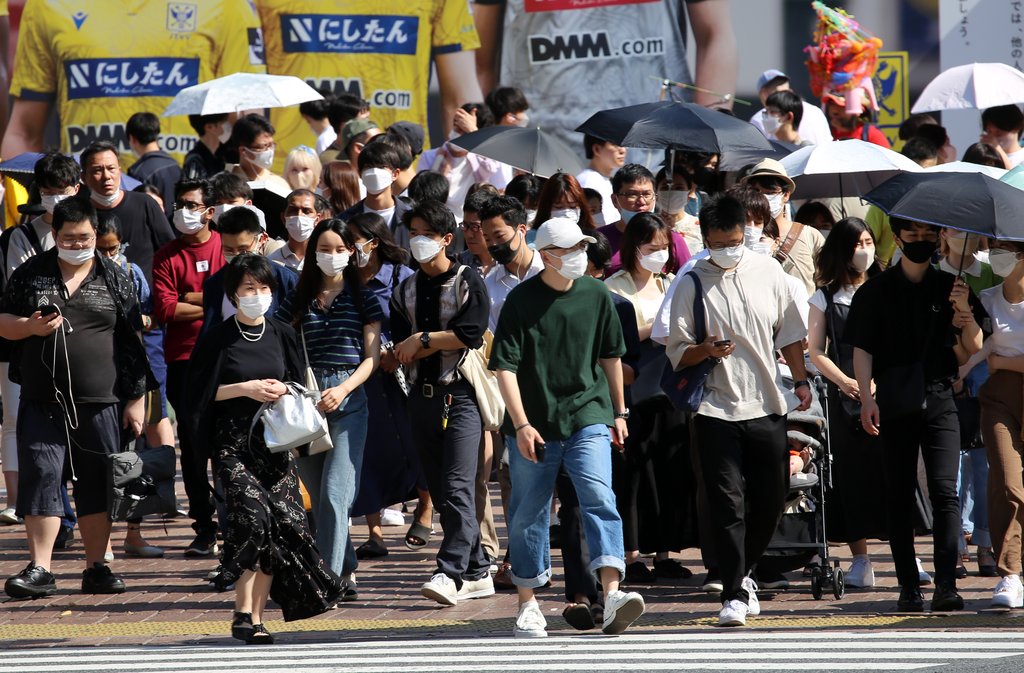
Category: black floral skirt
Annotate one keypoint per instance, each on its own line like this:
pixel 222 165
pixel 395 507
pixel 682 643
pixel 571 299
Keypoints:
pixel 266 522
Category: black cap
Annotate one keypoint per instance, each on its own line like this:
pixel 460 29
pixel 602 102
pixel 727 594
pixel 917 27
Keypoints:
pixel 412 132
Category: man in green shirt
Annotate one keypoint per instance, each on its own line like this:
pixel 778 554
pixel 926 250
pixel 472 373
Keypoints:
pixel 556 351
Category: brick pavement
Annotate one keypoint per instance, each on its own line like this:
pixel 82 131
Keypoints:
pixel 168 601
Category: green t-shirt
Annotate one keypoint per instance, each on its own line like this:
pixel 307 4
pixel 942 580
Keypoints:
pixel 553 340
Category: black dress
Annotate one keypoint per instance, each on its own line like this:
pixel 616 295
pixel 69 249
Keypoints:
pixel 266 526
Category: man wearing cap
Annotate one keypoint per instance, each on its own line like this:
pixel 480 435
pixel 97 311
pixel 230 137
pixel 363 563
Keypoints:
pixel 353 137
pixel 557 351
pixel 798 245
pixel 813 127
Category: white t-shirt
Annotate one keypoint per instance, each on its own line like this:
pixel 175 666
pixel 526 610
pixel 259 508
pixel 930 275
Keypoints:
pixel 843 297
pixel 499 282
pixel 324 140
pixel 1016 158
pixel 1007 322
pixel 593 180
pixel 386 214
pixel 813 126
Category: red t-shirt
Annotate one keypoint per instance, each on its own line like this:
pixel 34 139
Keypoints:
pixel 874 135
pixel 179 268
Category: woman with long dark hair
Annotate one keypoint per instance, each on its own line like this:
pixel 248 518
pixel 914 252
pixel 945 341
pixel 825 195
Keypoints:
pixel 339 184
pixel 338 322
pixel 562 196
pixel 844 263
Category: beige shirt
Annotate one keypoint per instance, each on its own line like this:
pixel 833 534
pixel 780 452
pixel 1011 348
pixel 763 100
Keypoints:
pixel 802 257
pixel 750 304
pixel 621 283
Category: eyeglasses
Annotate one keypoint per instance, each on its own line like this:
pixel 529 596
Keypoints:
pixel 190 205
pixel 77 243
pixel 635 196
pixel 262 148
pixel 473 227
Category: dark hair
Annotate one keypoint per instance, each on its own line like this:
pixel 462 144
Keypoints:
pixel 429 186
pixel 506 100
pixel 630 174
pixel 94 148
pixel 755 204
pixel 311 279
pixel 379 154
pixel 73 211
pixel 239 220
pixel 397 142
pixel 373 226
pixel 588 144
pixel 508 208
pixel 248 128
pixel 437 216
pixel 555 188
pixel 787 101
pixel 342 179
pixel 807 212
pixel 316 109
pixel 202 186
pixel 320 204
pixel 898 224
pixel 476 201
pixel 769 181
pixel 1004 117
pixel 599 253
pixel 484 116
pixel 144 127
pixel 526 188
pixel 919 149
pixel 199 122
pixel 933 133
pixel 257 266
pixel 590 194
pixel 485 189
pixel 679 169
pixel 722 212
pixel 983 154
pixel 640 230
pixel 56 171
pixel 910 125
pixel 108 223
pixel 230 186
pixel 775 81
pixel 834 266
pixel 343 108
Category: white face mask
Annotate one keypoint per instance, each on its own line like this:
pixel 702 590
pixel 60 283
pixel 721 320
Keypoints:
pixel 424 248
pixel 761 248
pixel 862 259
pixel 362 255
pixel 332 264
pixel 255 306
pixel 50 201
pixel 752 235
pixel 76 257
pixel 655 262
pixel 105 201
pixel 567 213
pixel 299 227
pixel 1003 261
pixel 376 179
pixel 771 123
pixel 531 215
pixel 776 204
pixel 673 201
pixel 574 265
pixel 187 221
pixel 219 210
pixel 264 159
pixel 225 132
pixel 727 258
pixel 524 121
pixel 598 219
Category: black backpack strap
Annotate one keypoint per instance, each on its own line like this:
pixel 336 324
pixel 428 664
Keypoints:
pixel 33 238
pixel 700 325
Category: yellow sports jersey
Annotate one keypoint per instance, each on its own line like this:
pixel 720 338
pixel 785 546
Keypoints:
pixel 103 60
pixel 378 50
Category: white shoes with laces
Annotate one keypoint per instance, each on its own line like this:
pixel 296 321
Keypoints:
pixel 1009 593
pixel 441 588
pixel 530 622
pixel 734 613
pixel 753 605
pixel 860 575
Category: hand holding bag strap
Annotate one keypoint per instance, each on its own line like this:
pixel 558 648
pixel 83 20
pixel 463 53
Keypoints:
pixel 782 254
pixel 311 382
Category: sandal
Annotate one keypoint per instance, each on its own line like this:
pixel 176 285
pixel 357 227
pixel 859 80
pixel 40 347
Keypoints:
pixel 241 626
pixel 597 611
pixel 579 616
pixel 418 536
pixel 260 636
pixel 372 548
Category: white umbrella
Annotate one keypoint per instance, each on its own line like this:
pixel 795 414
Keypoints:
pixel 241 91
pixel 843 168
pixel 974 86
pixel 967 167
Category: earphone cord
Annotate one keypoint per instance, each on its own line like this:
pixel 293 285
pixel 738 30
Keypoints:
pixel 67 404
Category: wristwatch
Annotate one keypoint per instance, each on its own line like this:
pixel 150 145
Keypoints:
pixel 801 382
pixel 425 339
pixel 624 414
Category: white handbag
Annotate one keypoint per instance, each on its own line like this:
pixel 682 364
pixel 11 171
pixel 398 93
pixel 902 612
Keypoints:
pixel 325 443
pixel 473 369
pixel 292 420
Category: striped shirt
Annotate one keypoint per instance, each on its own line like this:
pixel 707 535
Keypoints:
pixel 334 338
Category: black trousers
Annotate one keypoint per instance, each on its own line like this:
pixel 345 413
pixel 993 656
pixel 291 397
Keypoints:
pixel 449 458
pixel 745 470
pixel 194 469
pixel 936 430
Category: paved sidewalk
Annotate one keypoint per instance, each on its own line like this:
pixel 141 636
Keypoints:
pixel 168 601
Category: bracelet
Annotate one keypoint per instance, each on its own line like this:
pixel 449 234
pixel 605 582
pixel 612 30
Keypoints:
pixel 518 428
pixel 801 382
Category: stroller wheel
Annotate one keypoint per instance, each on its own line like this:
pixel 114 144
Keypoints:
pixel 816 583
pixel 839 584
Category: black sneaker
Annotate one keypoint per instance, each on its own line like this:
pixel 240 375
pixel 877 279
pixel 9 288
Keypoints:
pixel 100 580
pixel 32 582
pixel 911 600
pixel 204 545
pixel 946 599
pixel 637 572
pixel 65 538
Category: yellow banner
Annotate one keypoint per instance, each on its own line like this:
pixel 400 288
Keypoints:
pixel 892 90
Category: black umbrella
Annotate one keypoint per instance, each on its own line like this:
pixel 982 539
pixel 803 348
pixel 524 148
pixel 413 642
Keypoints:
pixel 731 161
pixel 682 126
pixel 530 149
pixel 970 202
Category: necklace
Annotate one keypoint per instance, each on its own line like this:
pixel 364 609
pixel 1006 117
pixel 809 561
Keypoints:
pixel 251 337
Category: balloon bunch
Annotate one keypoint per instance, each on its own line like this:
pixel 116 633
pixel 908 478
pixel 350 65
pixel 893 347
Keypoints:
pixel 842 60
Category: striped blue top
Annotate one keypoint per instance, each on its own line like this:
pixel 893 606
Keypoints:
pixel 335 337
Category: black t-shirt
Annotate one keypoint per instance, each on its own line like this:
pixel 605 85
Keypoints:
pixel 144 229
pixel 245 360
pixel 89 319
pixel 890 318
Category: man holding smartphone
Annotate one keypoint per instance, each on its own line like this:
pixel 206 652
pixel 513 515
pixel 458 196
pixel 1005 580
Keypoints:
pixel 556 351
pixel 740 427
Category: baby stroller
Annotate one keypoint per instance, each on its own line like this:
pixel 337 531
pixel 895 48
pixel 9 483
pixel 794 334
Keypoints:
pixel 801 538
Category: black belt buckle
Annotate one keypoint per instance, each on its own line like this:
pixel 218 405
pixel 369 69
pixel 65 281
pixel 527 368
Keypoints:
pixel 428 391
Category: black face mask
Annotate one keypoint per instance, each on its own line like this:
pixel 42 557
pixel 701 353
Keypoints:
pixel 705 177
pixel 503 252
pixel 919 252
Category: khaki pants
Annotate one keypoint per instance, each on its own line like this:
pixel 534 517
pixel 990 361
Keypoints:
pixel 484 512
pixel 1002 406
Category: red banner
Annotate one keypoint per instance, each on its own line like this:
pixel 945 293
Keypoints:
pixel 557 5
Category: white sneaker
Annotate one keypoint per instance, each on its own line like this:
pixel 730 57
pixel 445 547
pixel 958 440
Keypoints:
pixel 1009 593
pixel 753 605
pixel 441 588
pixel 860 575
pixel 477 588
pixel 530 622
pixel 391 517
pixel 923 577
pixel 734 613
pixel 8 517
pixel 620 610
pixel 712 584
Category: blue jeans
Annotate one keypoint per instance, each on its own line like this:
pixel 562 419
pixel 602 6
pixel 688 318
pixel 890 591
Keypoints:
pixel 587 459
pixel 332 478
